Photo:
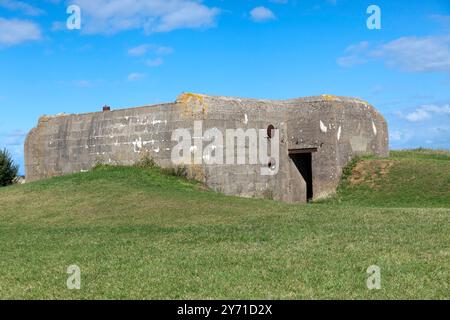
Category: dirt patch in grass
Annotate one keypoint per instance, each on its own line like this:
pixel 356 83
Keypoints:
pixel 370 172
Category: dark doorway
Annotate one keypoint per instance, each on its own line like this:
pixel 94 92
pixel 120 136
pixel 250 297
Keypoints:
pixel 303 162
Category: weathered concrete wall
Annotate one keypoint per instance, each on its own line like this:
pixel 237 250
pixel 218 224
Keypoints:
pixel 338 128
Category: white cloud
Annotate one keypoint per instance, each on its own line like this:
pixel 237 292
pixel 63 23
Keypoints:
pixel 415 54
pixel 145 48
pixel 411 54
pixel 15 138
pixel 138 51
pixel 154 62
pixel 163 50
pixel 354 55
pixel 20 6
pixel 424 125
pixel 189 15
pixel 445 109
pixel 13 141
pixel 400 136
pixel 261 14
pixel 418 115
pixel 136 76
pixel 112 16
pixel 15 31
pixel 58 26
pixel 425 112
pixel 82 83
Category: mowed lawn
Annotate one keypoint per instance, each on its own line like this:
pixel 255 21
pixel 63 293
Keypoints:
pixel 139 234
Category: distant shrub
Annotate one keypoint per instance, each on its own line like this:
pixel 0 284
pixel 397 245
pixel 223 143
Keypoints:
pixel 100 166
pixel 8 169
pixel 177 171
pixel 146 161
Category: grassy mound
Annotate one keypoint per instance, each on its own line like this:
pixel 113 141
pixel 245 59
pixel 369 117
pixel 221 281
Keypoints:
pixel 412 178
pixel 139 233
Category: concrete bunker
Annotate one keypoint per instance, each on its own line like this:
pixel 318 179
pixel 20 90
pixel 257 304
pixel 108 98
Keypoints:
pixel 316 138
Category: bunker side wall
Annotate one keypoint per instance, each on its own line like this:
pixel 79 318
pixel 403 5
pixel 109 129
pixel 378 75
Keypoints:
pixel 73 143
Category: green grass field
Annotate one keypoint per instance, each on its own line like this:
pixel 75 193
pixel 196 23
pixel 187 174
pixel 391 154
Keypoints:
pixel 140 234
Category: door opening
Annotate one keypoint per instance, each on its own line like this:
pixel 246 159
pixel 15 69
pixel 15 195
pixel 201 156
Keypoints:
pixel 303 162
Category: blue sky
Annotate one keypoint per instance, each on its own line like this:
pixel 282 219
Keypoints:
pixel 130 53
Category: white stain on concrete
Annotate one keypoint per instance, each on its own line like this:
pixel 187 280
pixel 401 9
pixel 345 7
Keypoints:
pixel 148 142
pixel 323 127
pixel 374 127
pixel 339 133
pixel 137 144
pixel 158 122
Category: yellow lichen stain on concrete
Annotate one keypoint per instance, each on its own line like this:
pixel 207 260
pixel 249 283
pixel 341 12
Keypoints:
pixel 362 101
pixel 193 104
pixel 46 118
pixel 330 97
